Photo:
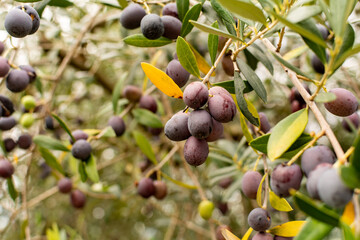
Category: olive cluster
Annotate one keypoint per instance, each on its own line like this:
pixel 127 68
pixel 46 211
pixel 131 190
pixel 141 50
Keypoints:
pixel 22 21
pixel 152 25
pixel 77 197
pixel 146 188
pixel 324 182
pixel 18 78
pixel 203 124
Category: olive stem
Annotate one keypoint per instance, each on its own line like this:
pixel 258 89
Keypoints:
pixel 163 161
pixel 306 96
pixel 191 174
pixel 280 40
pixel 310 144
pixel 212 69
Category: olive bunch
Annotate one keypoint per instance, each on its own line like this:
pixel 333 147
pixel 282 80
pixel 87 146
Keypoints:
pixel 152 25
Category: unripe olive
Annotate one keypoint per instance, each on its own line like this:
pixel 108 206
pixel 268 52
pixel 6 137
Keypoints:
pixel 27 120
pixel 206 209
pixel 28 102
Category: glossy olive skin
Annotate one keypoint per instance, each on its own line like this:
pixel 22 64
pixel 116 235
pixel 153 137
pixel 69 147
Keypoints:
pixel 263 236
pixel 146 188
pixel 7 107
pixel 317 65
pixel 313 179
pixel 285 177
pixel 77 199
pixel 7 123
pixel 160 190
pixel 81 150
pixel 132 93
pixel 228 64
pixel 345 103
pixel 259 219
pixel 176 129
pixel 9 144
pixel 65 185
pixel 79 134
pixel 172 27
pixel 17 23
pixel 177 73
pixel 353 119
pixel 152 26
pixel 200 124
pixel 35 18
pixel 24 141
pixel 332 190
pixel 4 67
pixel 17 80
pixel 131 16
pixel 196 95
pixel 217 131
pixel 171 10
pixel 314 156
pixel 148 102
pixel 196 151
pixel 118 125
pixel 250 183
pixel 6 169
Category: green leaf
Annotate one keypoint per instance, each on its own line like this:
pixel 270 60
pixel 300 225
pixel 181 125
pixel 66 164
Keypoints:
pixel 250 59
pixel 346 232
pixel 49 143
pixel 355 156
pixel 11 188
pixel 244 9
pixel 187 57
pixel 289 65
pixel 91 170
pixel 315 210
pixel 82 171
pixel 212 30
pixel 39 7
pixel 139 40
pixel 253 79
pixel 230 87
pixel 245 128
pixel 301 30
pixel 241 101
pixel 261 56
pixel 349 38
pixel 182 8
pixel 145 146
pixel 309 24
pixel 117 92
pixel 302 13
pixel 345 55
pixel 147 118
pixel 123 3
pixel 350 176
pixel 285 133
pixel 60 3
pixel 340 11
pixel 192 14
pixel 225 16
pixel 314 230
pixel 325 97
pixel 213 42
pixel 51 160
pixel 111 3
pixel 63 125
pixel 260 144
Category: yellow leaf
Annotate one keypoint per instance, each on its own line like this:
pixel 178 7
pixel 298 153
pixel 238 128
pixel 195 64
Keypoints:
pixel 289 229
pixel 162 81
pixel 247 234
pixel 153 62
pixel 349 214
pixel 228 235
pixel 279 203
pixel 204 67
pixel 92 132
pixel 295 52
pixel 245 128
pixel 181 184
pixel 259 191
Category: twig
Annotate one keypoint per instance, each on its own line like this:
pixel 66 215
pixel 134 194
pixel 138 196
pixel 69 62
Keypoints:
pixel 217 61
pixel 310 144
pixel 191 174
pixel 280 40
pixel 164 161
pixel 306 96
